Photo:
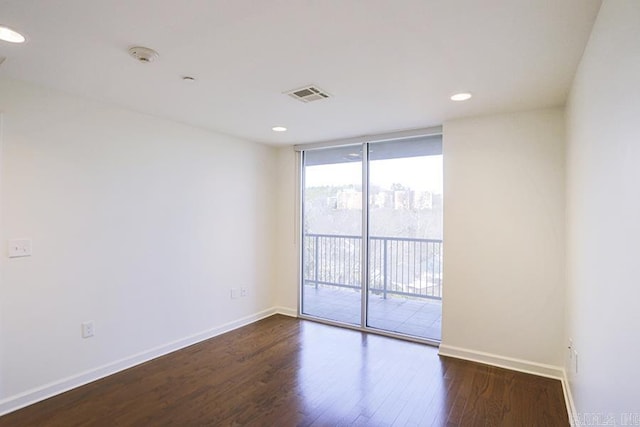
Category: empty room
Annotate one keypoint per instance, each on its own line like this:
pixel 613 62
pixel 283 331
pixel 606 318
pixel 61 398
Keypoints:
pixel 319 213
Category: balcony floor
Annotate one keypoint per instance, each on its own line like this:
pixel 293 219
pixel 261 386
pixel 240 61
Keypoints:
pixel 412 316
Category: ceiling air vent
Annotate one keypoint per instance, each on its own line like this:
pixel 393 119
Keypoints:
pixel 308 94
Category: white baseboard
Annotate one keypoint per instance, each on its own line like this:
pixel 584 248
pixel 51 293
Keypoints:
pixel 568 398
pixel 526 366
pixel 46 391
pixel 291 312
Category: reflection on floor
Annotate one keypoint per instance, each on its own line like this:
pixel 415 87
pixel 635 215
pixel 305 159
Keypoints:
pixel 418 317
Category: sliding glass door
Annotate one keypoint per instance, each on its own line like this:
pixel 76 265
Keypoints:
pixel 372 214
pixel 332 234
pixel 405 237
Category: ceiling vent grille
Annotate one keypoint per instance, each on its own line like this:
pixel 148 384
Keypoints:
pixel 308 94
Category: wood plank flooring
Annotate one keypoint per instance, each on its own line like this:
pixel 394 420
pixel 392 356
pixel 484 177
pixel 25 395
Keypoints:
pixel 290 372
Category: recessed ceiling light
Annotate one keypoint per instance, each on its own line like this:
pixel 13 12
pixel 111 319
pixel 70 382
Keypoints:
pixel 279 129
pixel 461 96
pixel 11 36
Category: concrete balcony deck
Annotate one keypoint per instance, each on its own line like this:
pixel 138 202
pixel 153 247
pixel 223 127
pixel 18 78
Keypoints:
pixel 420 317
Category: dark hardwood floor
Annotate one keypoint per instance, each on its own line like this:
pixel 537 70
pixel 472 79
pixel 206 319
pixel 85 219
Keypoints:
pixel 289 372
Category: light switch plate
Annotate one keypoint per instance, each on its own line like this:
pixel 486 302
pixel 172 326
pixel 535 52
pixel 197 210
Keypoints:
pixel 19 248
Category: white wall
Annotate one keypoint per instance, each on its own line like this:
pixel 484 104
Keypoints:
pixel 286 289
pixel 139 224
pixel 504 238
pixel 603 215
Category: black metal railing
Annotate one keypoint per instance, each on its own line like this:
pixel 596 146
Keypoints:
pixel 397 265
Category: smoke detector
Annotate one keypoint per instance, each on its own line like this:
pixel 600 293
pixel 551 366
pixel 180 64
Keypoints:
pixel 143 54
pixel 308 94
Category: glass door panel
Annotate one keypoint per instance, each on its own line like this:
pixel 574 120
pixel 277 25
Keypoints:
pixel 405 237
pixel 332 234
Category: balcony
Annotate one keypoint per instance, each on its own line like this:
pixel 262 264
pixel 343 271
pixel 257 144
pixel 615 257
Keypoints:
pixel 405 282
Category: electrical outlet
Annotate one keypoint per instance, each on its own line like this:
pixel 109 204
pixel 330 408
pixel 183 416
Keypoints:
pixel 575 361
pixel 235 293
pixel 87 329
pixel 244 291
pixel 19 248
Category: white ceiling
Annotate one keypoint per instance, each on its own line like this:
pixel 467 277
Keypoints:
pixel 389 65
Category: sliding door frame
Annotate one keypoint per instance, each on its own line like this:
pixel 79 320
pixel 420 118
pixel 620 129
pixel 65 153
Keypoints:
pixel 364 251
pixel 364 262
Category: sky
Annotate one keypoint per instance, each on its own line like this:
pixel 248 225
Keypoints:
pixel 417 173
